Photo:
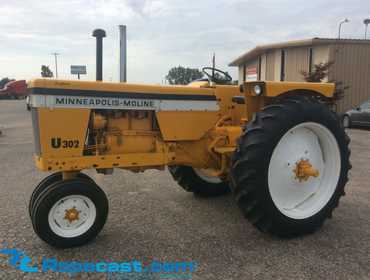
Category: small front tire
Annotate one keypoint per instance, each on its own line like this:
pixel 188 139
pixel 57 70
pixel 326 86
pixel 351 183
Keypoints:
pixel 47 181
pixel 70 213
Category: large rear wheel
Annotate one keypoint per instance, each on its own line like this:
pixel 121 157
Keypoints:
pixel 199 181
pixel 290 167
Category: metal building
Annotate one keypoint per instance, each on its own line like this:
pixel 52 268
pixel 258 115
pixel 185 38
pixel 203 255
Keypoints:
pixel 285 61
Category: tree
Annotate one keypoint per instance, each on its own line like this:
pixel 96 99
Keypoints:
pixel 319 73
pixel 4 81
pixel 46 72
pixel 182 76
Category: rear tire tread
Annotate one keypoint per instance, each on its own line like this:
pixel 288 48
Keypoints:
pixel 253 201
pixel 186 177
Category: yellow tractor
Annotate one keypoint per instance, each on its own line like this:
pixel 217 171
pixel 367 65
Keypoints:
pixel 276 145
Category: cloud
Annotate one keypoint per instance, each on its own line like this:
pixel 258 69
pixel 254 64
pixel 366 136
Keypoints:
pixel 161 33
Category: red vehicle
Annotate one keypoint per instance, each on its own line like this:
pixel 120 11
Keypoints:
pixel 14 90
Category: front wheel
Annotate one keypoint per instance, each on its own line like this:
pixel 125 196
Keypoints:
pixel 70 213
pixel 46 182
pixel 290 167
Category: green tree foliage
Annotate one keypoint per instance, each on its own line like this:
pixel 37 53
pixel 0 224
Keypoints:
pixel 182 76
pixel 4 81
pixel 46 72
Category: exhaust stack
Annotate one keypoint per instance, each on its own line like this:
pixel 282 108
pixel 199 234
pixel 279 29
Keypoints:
pixel 122 54
pixel 99 34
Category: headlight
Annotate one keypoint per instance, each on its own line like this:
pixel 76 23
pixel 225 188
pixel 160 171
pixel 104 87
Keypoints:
pixel 257 89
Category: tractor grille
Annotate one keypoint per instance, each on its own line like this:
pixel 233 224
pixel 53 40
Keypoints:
pixel 36 130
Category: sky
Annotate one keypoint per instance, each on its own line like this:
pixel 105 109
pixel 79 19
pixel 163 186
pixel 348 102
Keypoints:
pixel 161 33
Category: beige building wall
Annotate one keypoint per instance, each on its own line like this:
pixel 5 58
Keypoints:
pixel 263 67
pixel 296 60
pixel 352 68
pixel 240 74
pixel 251 64
pixel 320 54
pixel 277 64
pixel 267 67
pixel 270 66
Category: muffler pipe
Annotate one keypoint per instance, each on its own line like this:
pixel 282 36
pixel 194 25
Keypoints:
pixel 99 34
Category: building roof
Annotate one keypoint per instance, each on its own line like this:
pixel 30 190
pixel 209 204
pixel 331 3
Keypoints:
pixel 258 50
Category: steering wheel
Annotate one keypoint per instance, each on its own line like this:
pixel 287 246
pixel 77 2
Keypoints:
pixel 217 76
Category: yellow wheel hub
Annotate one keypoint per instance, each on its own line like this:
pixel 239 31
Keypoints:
pixel 72 215
pixel 304 170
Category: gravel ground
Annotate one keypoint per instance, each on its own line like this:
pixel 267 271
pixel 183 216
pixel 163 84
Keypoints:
pixel 151 217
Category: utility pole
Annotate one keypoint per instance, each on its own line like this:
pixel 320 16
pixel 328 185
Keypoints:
pixel 56 63
pixel 213 65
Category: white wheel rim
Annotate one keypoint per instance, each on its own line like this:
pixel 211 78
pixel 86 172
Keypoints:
pixel 346 122
pixel 63 227
pixel 203 174
pixel 302 199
